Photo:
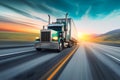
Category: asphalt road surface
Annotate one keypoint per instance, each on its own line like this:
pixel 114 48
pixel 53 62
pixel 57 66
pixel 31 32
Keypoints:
pixel 93 62
pixel 28 64
pixel 90 62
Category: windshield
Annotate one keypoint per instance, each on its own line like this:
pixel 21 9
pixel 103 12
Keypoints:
pixel 56 28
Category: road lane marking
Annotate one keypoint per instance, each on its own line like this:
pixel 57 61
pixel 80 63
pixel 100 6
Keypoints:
pixel 113 57
pixel 61 64
pixel 8 54
pixel 15 71
pixel 99 48
pixel 5 47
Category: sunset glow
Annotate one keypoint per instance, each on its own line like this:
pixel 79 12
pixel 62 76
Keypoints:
pixel 17 28
pixel 83 36
pixel 30 16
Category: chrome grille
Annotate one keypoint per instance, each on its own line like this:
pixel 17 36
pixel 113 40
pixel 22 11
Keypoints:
pixel 45 36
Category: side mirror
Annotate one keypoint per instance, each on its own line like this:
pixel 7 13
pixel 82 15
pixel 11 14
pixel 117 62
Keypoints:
pixel 61 34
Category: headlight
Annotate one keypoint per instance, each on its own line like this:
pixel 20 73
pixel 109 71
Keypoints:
pixel 55 38
pixel 37 39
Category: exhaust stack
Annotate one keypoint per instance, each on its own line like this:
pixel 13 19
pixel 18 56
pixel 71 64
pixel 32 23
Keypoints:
pixel 43 27
pixel 66 27
pixel 48 19
pixel 66 21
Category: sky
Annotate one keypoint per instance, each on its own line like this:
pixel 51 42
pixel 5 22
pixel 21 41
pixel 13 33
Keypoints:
pixel 90 16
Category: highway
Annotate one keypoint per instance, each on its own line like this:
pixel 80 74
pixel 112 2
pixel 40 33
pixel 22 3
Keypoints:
pixel 86 61
pixel 93 62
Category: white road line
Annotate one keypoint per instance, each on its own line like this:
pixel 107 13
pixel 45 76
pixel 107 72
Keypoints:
pixel 14 71
pixel 113 57
pixel 103 48
pixel 106 59
pixel 16 53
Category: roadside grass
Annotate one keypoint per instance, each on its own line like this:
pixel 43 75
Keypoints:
pixel 17 36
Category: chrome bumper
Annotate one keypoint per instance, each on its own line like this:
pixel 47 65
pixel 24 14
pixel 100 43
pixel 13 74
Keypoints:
pixel 47 45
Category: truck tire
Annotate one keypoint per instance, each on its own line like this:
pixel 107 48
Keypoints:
pixel 61 46
pixel 38 49
pixel 69 45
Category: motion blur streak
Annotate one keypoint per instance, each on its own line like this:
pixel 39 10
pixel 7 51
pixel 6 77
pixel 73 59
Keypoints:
pixel 93 62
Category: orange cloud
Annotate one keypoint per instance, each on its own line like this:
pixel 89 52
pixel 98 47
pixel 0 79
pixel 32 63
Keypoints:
pixel 5 26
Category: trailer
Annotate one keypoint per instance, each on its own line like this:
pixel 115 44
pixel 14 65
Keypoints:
pixel 58 35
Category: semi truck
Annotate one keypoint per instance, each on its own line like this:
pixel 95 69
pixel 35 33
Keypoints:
pixel 58 35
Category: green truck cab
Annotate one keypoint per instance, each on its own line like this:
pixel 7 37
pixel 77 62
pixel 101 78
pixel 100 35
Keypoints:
pixel 58 35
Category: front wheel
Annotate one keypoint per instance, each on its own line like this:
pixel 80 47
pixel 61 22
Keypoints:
pixel 38 49
pixel 61 46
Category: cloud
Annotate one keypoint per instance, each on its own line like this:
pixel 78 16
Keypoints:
pixel 110 22
pixel 76 8
pixel 34 12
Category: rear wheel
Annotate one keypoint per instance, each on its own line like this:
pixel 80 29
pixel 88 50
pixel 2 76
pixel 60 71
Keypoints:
pixel 69 45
